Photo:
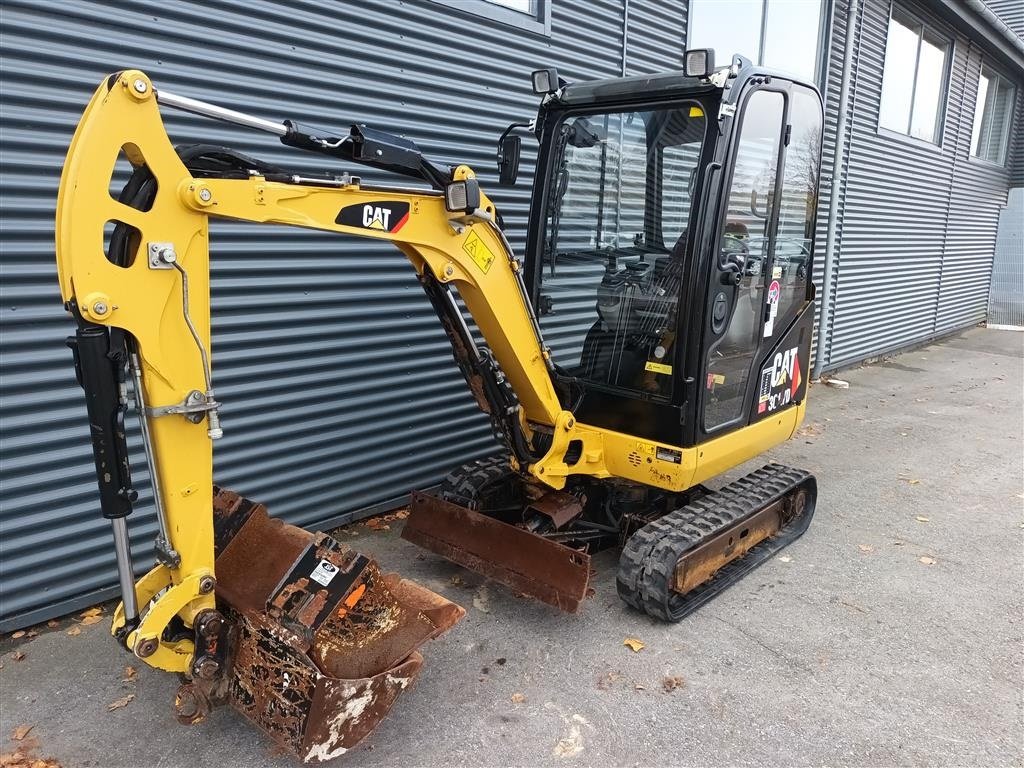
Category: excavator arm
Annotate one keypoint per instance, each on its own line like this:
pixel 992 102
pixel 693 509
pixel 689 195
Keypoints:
pixel 134 273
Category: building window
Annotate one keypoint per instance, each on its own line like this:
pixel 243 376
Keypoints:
pixel 762 30
pixel 992 113
pixel 523 6
pixel 914 79
pixel 527 15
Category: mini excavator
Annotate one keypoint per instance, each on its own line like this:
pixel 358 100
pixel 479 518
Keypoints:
pixel 655 334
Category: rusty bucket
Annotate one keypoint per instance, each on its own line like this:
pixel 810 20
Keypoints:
pixel 323 643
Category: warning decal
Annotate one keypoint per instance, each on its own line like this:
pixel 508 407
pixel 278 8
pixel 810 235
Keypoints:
pixel 478 251
pixel 654 367
pixel 324 572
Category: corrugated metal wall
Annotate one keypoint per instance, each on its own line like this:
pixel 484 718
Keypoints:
pixel 1011 12
pixel 338 384
pixel 918 221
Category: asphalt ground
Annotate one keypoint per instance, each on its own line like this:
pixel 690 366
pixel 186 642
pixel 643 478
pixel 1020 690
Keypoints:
pixel 892 633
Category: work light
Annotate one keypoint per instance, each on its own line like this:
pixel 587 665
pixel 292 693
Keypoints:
pixel 545 80
pixel 700 62
pixel 462 196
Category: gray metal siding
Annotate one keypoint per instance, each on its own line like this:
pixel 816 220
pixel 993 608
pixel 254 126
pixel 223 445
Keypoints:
pixel 1011 13
pixel 338 383
pixel 918 220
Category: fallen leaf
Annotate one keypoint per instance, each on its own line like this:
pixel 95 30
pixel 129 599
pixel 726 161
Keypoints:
pixel 923 519
pixel 18 655
pixel 633 644
pixel 376 524
pixel 927 560
pixel 33 633
pixel 914 481
pixel 401 514
pixel 639 687
pixel 129 674
pixel 124 701
pixel 74 631
pixel 94 619
pixel 672 682
pixel 897 543
pixel 786 559
pixel 19 634
pixel 456 580
pixel 91 612
pixel 865 548
pixel 21 732
pixel 518 698
pixel 52 623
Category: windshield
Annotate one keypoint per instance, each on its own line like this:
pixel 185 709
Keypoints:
pixel 621 187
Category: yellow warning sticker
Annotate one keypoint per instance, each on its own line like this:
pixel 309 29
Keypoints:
pixel 478 251
pixel 696 112
pixel 658 368
pixel 642 447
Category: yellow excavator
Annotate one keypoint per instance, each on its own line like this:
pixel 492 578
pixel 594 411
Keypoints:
pixel 655 333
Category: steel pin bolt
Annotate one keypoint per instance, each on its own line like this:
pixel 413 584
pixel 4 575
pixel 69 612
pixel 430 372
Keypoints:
pixel 205 195
pixel 139 85
pixel 206 585
pixel 145 648
pixel 99 308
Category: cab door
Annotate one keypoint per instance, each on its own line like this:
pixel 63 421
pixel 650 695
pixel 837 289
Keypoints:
pixel 760 279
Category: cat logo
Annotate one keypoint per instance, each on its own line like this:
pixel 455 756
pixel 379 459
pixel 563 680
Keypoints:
pixel 376 217
pixel 382 216
pixel 780 381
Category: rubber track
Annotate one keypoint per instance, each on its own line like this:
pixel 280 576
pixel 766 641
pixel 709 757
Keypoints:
pixel 648 560
pixel 464 483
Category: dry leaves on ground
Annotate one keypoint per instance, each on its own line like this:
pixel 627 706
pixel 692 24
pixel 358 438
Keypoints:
pixel 608 679
pixel 18 655
pixel 786 559
pixel 121 703
pixel 52 623
pixel 91 612
pixel 24 758
pixel 670 683
pixel 927 560
pixel 74 631
pixel 377 524
pixel 18 635
pixel 923 519
pixel 129 674
pixel 21 732
pixel 867 549
pixel 810 430
pixel 518 698
pixel 91 620
pixel 633 644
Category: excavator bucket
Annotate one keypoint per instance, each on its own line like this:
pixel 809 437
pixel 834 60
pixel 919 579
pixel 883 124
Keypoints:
pixel 521 560
pixel 322 642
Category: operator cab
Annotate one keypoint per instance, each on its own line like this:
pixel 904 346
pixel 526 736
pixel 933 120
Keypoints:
pixel 671 245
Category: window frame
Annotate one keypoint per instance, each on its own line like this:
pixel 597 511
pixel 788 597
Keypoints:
pixel 926 29
pixel 820 68
pixel 539 22
pixel 998 74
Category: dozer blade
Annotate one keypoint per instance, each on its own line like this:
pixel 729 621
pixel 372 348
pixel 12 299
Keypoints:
pixel 526 562
pixel 323 643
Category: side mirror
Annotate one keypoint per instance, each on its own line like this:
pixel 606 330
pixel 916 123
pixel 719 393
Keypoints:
pixel 509 148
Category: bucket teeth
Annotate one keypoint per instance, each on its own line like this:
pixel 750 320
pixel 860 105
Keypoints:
pixel 325 641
